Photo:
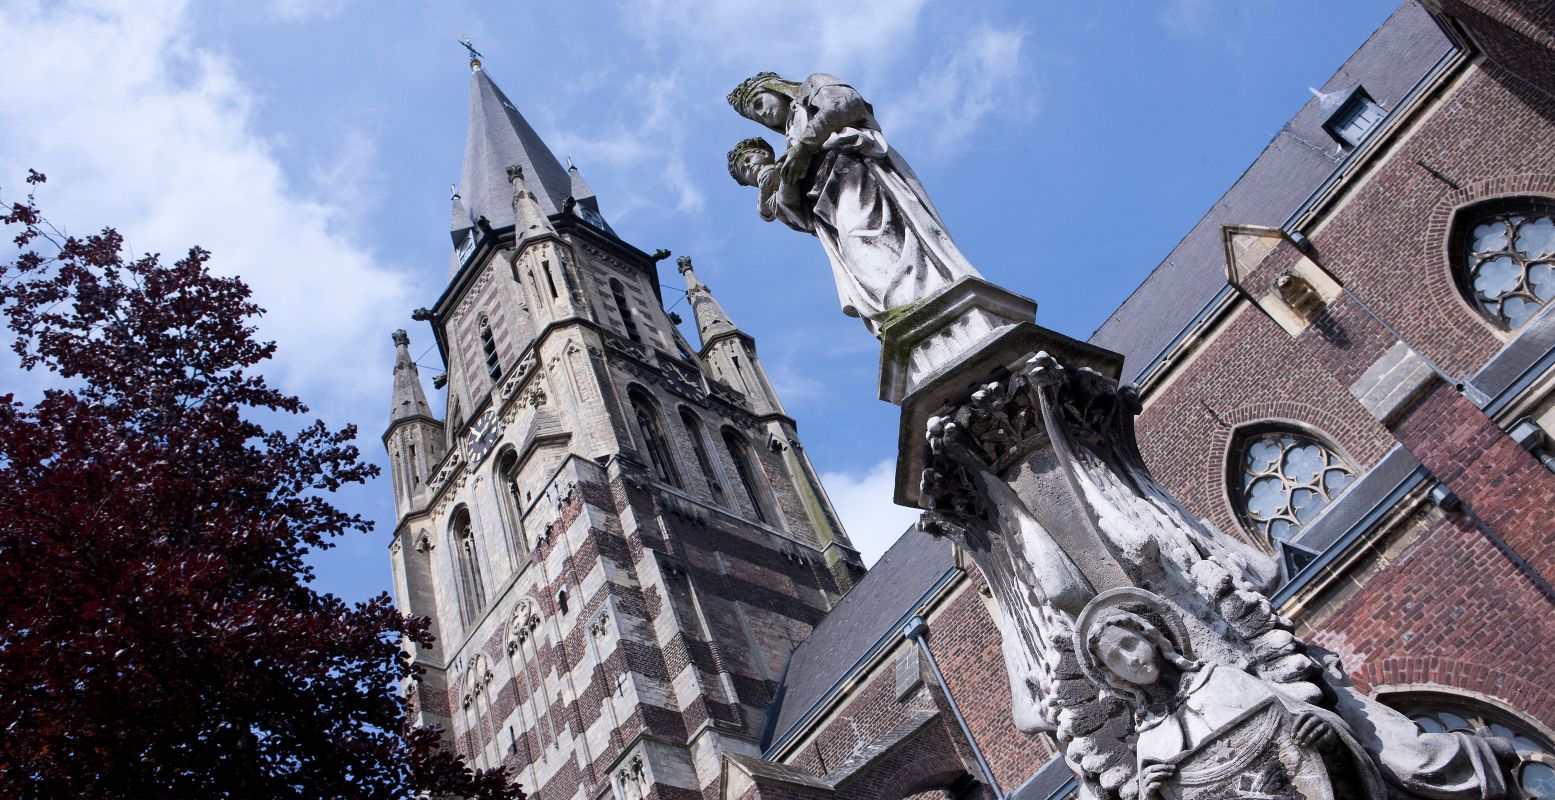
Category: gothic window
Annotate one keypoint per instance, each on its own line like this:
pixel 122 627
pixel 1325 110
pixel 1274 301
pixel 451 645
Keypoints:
pixel 1506 260
pixel 1281 479
pixel 523 655
pixel 651 435
pixel 472 592
pixel 1438 712
pixel 512 502
pixel 619 292
pixel 739 454
pixel 477 705
pixel 489 347
pixel 699 448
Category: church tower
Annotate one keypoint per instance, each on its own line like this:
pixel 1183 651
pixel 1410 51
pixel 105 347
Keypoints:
pixel 619 538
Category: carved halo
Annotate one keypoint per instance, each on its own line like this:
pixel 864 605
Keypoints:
pixel 1151 607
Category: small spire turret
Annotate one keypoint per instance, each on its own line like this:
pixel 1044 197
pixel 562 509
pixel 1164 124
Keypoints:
pixel 712 320
pixel 409 401
pixel 580 187
pixel 529 219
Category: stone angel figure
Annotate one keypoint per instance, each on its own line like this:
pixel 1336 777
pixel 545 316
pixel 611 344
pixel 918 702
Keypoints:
pixel 1205 731
pixel 841 181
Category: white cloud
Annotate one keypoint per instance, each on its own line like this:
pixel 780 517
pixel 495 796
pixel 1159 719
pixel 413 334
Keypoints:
pixel 140 128
pixel 984 73
pixel 864 502
pixel 801 35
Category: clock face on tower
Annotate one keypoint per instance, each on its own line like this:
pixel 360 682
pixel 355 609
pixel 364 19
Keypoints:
pixel 480 438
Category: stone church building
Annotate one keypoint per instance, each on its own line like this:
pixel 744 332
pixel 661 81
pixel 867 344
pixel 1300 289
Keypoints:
pixel 639 588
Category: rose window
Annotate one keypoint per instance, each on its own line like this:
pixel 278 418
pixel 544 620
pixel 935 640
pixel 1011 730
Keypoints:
pixel 1286 478
pixel 1535 774
pixel 1509 263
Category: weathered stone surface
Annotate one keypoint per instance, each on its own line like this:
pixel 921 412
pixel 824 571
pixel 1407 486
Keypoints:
pixel 1394 382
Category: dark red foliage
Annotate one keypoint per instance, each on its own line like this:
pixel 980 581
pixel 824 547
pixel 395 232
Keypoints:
pixel 158 637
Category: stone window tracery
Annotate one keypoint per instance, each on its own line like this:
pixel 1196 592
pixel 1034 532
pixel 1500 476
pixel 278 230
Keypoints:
pixel 1439 712
pixel 523 659
pixel 1281 479
pixel 745 469
pixel 704 462
pixel 651 434
pixel 477 706
pixel 1506 260
pixel 472 590
pixel 512 503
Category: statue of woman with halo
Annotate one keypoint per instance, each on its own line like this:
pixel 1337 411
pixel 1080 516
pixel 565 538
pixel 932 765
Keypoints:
pixel 839 180
pixel 1211 732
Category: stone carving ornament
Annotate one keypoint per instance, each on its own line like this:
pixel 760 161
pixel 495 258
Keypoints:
pixel 1036 475
pixel 842 182
pixel 1135 632
pixel 1203 731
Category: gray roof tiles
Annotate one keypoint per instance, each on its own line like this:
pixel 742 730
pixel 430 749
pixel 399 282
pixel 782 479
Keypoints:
pixel 868 614
pixel 1294 165
pixel 499 137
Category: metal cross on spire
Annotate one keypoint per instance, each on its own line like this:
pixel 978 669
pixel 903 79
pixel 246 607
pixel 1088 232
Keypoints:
pixel 475 55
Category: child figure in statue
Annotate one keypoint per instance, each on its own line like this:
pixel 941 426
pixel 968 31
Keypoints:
pixel 1205 731
pixel 752 162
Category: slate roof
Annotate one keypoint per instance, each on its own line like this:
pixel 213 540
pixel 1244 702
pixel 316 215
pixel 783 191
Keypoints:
pixel 865 618
pixel 499 137
pixel 1294 165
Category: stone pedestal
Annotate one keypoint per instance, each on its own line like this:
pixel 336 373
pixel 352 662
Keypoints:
pixel 1019 444
pixel 924 341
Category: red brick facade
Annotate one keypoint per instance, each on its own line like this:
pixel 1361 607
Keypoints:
pixel 1452 596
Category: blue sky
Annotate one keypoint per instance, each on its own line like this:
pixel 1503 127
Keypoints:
pixel 311 145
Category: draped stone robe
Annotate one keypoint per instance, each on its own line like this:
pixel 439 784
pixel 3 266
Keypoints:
pixel 887 244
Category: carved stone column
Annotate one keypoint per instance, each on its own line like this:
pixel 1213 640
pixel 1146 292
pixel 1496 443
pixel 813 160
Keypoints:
pixel 1020 447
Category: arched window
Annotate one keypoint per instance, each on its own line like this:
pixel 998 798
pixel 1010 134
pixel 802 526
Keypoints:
pixel 651 435
pixel 1438 712
pixel 489 346
pixel 1281 479
pixel 523 656
pixel 704 463
pixel 472 591
pixel 746 470
pixel 477 705
pixel 512 503
pixel 1505 259
pixel 626 311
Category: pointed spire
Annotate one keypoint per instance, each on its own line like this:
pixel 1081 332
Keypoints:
pixel 409 400
pixel 580 187
pixel 459 218
pixel 499 136
pixel 529 218
pixel 712 320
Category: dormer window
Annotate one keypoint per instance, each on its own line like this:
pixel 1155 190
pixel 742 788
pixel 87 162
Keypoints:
pixel 1355 119
pixel 466 247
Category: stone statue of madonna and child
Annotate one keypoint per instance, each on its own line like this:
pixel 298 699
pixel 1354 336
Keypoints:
pixel 841 181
